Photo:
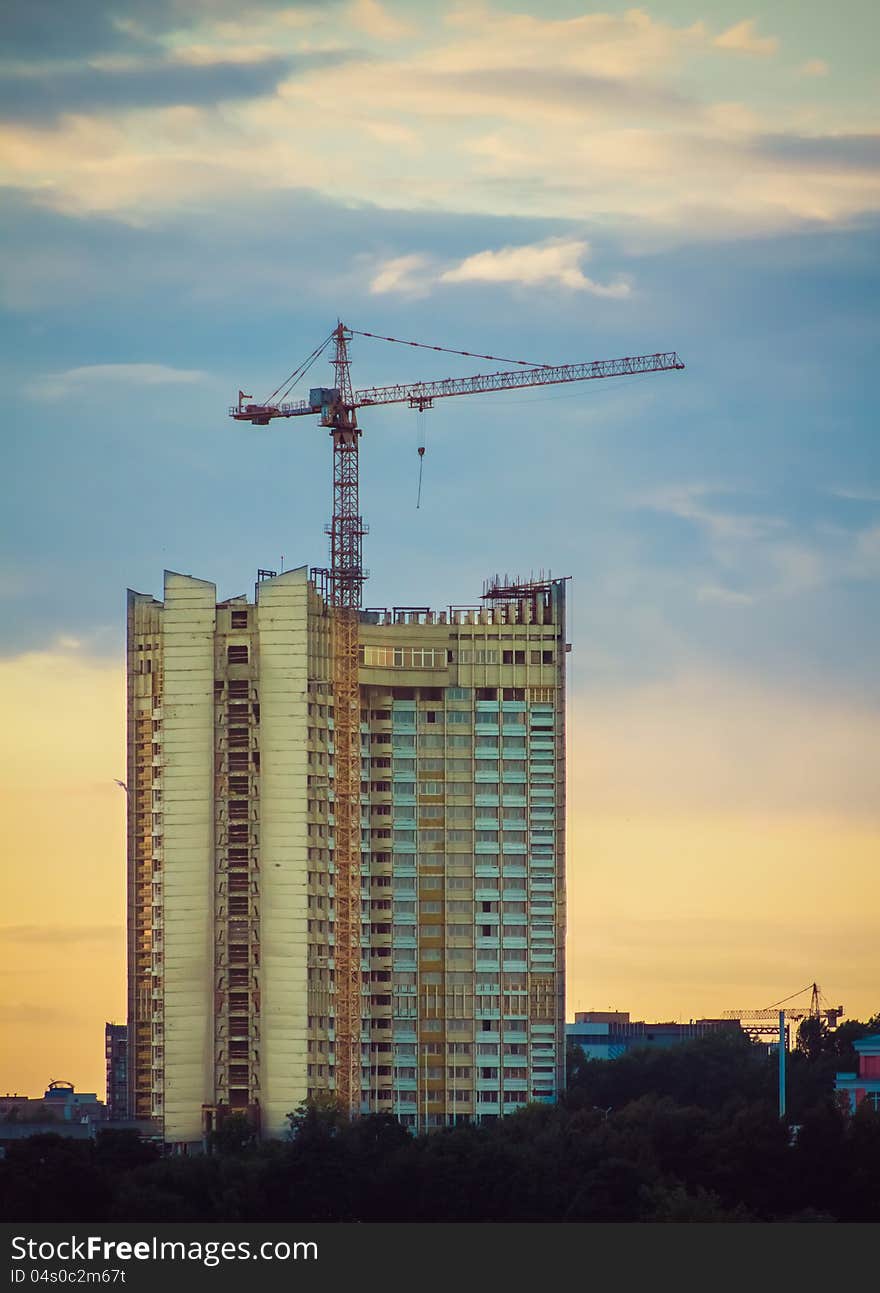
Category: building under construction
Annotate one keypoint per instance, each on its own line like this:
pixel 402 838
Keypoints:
pixel 240 983
pixel 346 827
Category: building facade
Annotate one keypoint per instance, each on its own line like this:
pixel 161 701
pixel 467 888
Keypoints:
pixel 863 1086
pixel 231 854
pixel 116 1058
pixel 608 1034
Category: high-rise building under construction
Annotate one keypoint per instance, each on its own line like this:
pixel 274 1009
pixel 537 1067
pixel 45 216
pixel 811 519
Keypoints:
pixel 231 901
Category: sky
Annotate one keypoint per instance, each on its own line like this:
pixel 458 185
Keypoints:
pixel 194 191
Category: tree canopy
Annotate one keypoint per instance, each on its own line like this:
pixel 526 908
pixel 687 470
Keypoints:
pixel 690 1133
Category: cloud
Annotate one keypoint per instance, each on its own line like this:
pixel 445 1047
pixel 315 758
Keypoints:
pixel 556 262
pixel 402 274
pixel 724 596
pixel 592 117
pixel 760 556
pixel 743 38
pixel 858 495
pixel 687 502
pixel 814 67
pixel 27 95
pixel 73 381
pixel 834 153
pixel 374 19
pixel 42 29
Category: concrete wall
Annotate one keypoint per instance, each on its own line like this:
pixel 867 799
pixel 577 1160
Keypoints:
pixel 283 643
pixel 188 748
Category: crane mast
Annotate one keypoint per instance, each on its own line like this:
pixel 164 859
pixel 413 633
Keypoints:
pixel 346 577
pixel 337 408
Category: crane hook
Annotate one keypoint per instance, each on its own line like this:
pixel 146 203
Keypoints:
pixel 421 460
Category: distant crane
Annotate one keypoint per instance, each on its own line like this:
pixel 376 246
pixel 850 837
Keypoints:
pixel 751 1022
pixel 337 407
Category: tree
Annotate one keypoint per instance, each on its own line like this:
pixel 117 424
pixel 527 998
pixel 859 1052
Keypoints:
pixel 235 1134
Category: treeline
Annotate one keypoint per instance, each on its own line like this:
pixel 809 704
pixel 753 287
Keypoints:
pixel 687 1134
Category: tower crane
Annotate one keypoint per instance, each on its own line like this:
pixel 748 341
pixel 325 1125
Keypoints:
pixel 756 1023
pixel 752 1020
pixel 337 409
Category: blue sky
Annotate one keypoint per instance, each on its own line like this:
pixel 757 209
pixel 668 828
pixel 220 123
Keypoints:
pixel 194 192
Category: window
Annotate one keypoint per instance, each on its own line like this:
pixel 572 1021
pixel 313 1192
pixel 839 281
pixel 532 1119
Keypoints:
pixel 239 619
pixel 237 654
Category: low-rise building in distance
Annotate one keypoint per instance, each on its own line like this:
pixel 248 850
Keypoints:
pixel 864 1085
pixel 608 1034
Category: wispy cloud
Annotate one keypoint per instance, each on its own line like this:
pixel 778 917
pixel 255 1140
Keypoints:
pixel 404 275
pixel 56 386
pixel 372 18
pixel 760 557
pixel 858 495
pixel 814 67
pixel 743 37
pixel 690 502
pixel 724 596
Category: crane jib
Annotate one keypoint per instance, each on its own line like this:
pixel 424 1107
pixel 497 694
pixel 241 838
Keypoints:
pixel 543 376
pixel 420 394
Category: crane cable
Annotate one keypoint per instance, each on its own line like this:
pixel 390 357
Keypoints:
pixel 300 371
pixel 447 350
pixel 421 448
pixel 773 1004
